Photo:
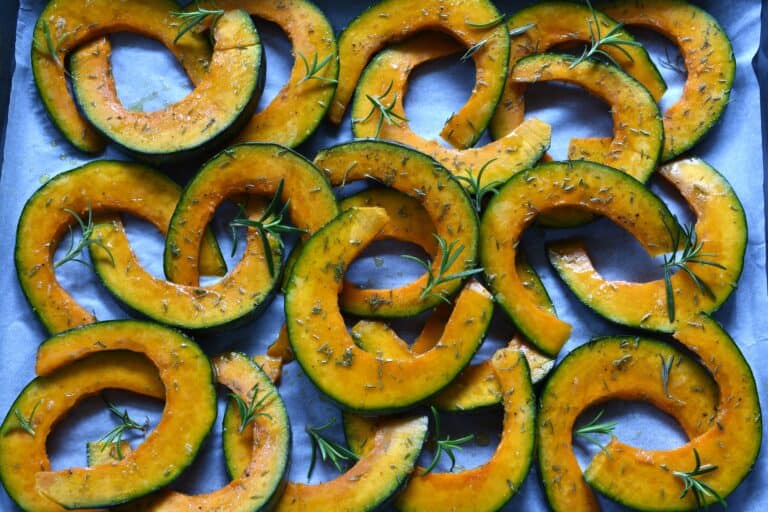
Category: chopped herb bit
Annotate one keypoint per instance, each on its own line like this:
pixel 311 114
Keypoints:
pixel 488 24
pixel 473 50
pixel 666 367
pixel 25 423
pixel 522 29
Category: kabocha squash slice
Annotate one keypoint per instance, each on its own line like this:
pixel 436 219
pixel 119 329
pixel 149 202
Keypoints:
pixel 189 412
pixel 620 367
pixel 709 63
pixel 51 397
pixel 646 479
pixel 580 184
pixel 544 26
pixel 389 72
pixel 102 186
pixel 69 23
pixel 357 380
pixel 258 486
pixel 220 104
pixel 721 227
pixel 419 176
pixel 486 487
pixel 393 20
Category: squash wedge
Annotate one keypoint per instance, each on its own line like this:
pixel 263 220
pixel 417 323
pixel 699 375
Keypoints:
pixel 355 379
pixel 218 107
pixel 580 184
pixel 389 72
pixel 619 367
pixel 70 23
pixel 101 186
pixel 187 378
pixel 721 227
pixel 393 20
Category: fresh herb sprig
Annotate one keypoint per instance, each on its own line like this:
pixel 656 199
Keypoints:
pixel 446 445
pixel 588 431
pixel 681 258
pixel 477 190
pixel 251 409
pixel 386 110
pixel 473 50
pixel 313 69
pixel 115 436
pixel 191 19
pixel 449 253
pixel 329 450
pixel 598 41
pixel 271 222
pixel 701 490
pixel 86 240
pixel 25 422
pixel 51 47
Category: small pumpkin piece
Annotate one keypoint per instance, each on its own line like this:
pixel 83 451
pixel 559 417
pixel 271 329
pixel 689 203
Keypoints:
pixel 709 64
pixel 393 20
pixel 100 452
pixel 624 368
pixel 389 72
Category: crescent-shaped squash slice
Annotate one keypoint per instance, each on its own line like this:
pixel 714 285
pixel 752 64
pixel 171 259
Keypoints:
pixel 419 176
pixel 187 378
pixel 651 479
pixel 491 485
pixel 721 228
pixel 98 187
pixel 67 24
pixel 468 21
pixel 46 400
pixel 354 378
pixel 709 64
pixel 580 184
pixel 623 368
pixel 220 104
pixel 389 72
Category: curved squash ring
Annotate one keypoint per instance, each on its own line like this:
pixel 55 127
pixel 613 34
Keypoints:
pixel 393 20
pixel 73 22
pixel 580 184
pixel 425 180
pixel 645 478
pixel 103 186
pixel 619 367
pixel 721 227
pixel 23 455
pixel 187 378
pixel 709 63
pixel 220 104
pixel 390 70
pixel 321 344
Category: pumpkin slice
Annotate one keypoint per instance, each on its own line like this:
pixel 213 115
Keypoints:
pixel 101 452
pixel 415 174
pixel 390 70
pixel 221 103
pixel 486 487
pixel 646 478
pixel 393 20
pixel 624 368
pixel 546 25
pixel 585 185
pixel 102 186
pixel 350 376
pixel 187 378
pixel 46 400
pixel 721 227
pixel 70 23
pixel 709 63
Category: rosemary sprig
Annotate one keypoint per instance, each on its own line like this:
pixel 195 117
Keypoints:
pixel 115 436
pixel 676 66
pixel 386 111
pixel 680 259
pixel 666 367
pixel 314 68
pixel 598 41
pixel 51 47
pixel 329 450
pixel 488 24
pixel 588 431
pixel 477 191
pixel 191 19
pixel 522 29
pixel 449 253
pixel 446 445
pixel 270 222
pixel 249 411
pixel 701 490
pixel 473 50
pixel 25 422
pixel 86 240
